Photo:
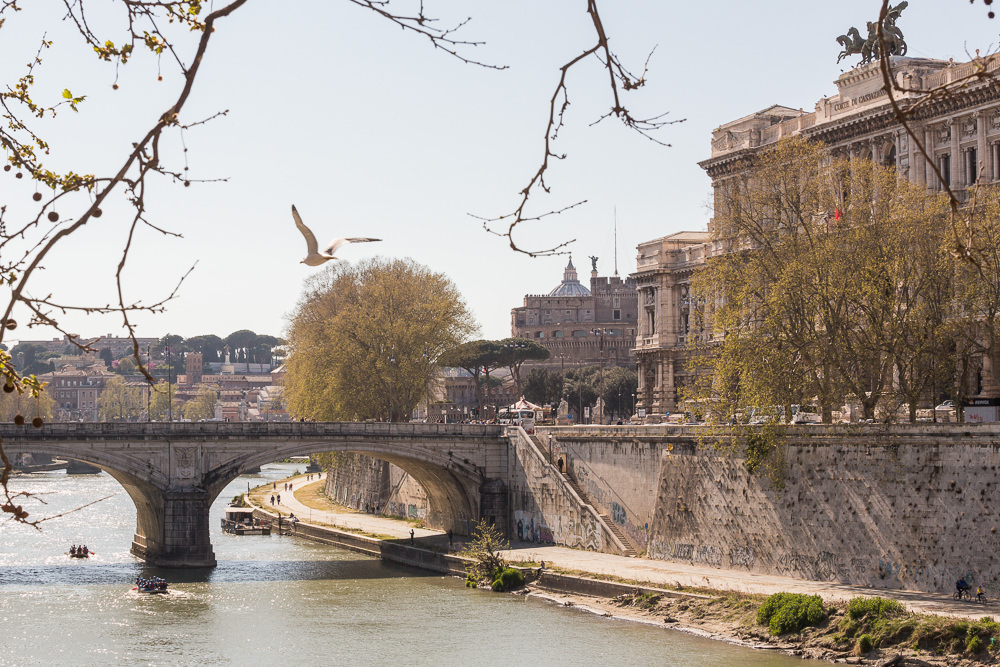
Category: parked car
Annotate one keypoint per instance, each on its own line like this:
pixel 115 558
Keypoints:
pixel 947 405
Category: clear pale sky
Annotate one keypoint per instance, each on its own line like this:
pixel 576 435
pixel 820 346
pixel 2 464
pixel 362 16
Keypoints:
pixel 369 131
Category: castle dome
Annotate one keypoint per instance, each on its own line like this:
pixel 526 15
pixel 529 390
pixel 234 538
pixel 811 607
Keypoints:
pixel 570 285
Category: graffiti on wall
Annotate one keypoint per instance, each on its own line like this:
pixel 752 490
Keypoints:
pixel 530 527
pixel 741 556
pixel 824 566
pixel 618 514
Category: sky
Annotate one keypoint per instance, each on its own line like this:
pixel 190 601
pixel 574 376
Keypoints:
pixel 369 131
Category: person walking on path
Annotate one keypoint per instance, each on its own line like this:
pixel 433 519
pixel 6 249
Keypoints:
pixel 411 537
pixel 451 536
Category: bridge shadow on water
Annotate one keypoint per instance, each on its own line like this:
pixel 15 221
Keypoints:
pixel 244 571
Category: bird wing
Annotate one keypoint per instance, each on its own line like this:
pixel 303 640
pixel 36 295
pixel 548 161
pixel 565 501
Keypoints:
pixel 336 243
pixel 311 244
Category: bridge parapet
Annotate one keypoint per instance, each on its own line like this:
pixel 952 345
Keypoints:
pixel 244 430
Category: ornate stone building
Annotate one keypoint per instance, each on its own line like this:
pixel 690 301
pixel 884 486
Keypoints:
pixel 961 132
pixel 565 320
pixel 663 280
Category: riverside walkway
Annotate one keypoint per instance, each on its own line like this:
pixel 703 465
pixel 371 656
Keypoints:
pixel 639 570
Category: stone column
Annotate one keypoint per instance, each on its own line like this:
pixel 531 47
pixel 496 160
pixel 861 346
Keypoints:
pixel 981 146
pixel 914 167
pixel 183 538
pixel 928 169
pixel 956 155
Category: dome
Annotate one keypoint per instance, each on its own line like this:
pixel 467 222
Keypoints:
pixel 570 286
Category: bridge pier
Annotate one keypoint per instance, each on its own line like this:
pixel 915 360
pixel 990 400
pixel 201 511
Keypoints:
pixel 173 531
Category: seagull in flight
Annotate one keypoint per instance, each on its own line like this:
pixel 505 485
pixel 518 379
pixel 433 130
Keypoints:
pixel 315 256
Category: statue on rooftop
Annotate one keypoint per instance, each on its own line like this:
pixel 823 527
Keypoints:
pixel 869 48
pixel 593 263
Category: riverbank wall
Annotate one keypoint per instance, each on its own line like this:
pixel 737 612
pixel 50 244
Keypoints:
pixel 392 551
pixel 890 507
pixel 370 485
pixel 908 506
pixel 454 565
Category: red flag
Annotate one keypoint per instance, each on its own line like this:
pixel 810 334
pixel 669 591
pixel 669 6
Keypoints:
pixel 837 215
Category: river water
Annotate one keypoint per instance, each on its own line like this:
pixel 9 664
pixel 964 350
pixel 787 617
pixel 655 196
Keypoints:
pixel 281 599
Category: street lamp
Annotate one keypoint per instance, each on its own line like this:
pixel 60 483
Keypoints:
pixel 170 403
pixel 149 388
pixel 427 386
pixel 392 360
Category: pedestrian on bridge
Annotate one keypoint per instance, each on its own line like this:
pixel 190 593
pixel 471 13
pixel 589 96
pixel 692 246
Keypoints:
pixel 411 537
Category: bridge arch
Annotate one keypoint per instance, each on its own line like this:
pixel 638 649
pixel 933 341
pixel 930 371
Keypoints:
pixel 452 484
pixel 173 472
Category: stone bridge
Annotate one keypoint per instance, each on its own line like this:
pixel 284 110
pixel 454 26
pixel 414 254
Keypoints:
pixel 174 471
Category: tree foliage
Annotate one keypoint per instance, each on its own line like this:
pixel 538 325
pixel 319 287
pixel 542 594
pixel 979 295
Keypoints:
pixel 479 358
pixel 484 551
pixel 120 401
pixel 515 351
pixel 163 401
pixel 833 281
pixel 201 406
pixel 580 389
pixel 366 339
pixel 543 386
pixel 13 403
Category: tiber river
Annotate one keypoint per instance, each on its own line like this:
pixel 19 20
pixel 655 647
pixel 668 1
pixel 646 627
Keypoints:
pixel 281 600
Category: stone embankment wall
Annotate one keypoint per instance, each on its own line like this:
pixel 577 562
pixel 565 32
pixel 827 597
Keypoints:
pixel 618 468
pixel 544 509
pixel 370 485
pixel 908 506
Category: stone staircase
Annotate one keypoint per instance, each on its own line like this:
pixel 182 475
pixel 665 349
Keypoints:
pixel 608 523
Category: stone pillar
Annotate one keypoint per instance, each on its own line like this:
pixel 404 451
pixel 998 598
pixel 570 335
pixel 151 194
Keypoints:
pixel 928 169
pixel 981 147
pixel 956 156
pixel 184 537
pixel 913 170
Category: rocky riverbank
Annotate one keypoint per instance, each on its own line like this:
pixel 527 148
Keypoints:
pixel 917 639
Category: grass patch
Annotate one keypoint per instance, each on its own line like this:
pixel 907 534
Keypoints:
pixel 784 613
pixel 886 623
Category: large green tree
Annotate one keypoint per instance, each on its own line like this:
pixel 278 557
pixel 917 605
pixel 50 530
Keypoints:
pixel 832 283
pixel 543 386
pixel 366 338
pixel 479 358
pixel 515 351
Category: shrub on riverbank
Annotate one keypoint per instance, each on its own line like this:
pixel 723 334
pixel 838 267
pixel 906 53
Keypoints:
pixel 486 564
pixel 507 580
pixel 783 613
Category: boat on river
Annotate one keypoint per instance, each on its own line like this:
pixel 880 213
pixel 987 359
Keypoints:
pixel 79 552
pixel 154 586
pixel 240 521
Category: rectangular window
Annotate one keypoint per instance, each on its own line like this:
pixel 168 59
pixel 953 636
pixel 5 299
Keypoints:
pixel 617 302
pixel 971 166
pixel 617 315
